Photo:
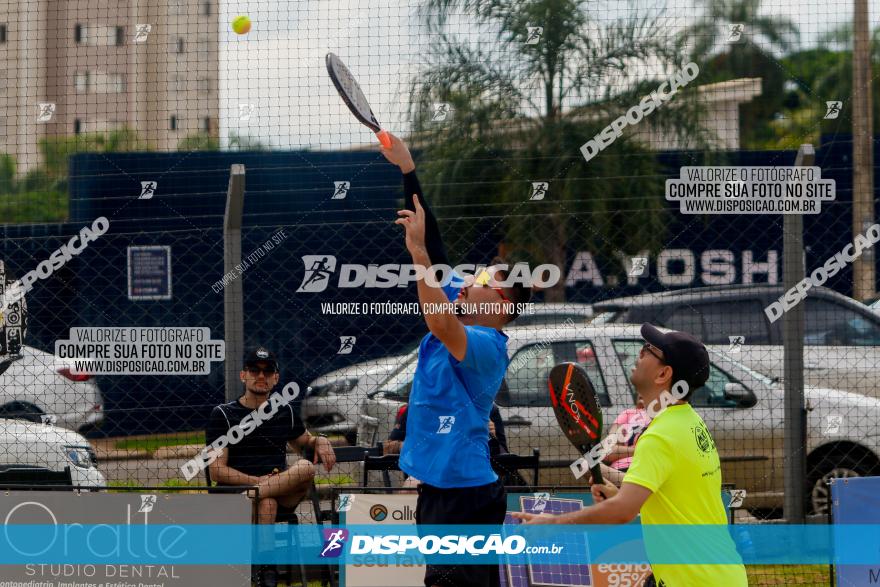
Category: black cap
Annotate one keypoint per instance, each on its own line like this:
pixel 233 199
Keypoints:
pixel 686 355
pixel 261 355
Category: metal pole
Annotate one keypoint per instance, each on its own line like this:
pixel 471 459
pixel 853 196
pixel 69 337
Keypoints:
pixel 795 437
pixel 233 294
pixel 864 278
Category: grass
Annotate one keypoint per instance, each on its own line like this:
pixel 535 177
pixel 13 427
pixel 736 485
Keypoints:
pixel 36 206
pixel 336 480
pixel 800 575
pixel 154 442
pixel 167 483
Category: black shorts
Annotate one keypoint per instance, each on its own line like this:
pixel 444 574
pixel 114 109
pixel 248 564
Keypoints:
pixel 484 504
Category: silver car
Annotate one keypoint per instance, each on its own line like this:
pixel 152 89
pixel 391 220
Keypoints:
pixel 39 387
pixel 742 408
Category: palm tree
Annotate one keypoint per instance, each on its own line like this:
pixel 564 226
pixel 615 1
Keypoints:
pixel 763 39
pixel 522 110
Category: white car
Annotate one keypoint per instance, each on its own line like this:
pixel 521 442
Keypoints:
pixel 41 446
pixel 333 398
pixel 38 387
pixel 742 408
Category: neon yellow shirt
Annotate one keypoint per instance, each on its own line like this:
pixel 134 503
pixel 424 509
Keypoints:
pixel 677 460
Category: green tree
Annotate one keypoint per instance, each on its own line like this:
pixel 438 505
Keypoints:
pixel 199 142
pixel 763 40
pixel 520 113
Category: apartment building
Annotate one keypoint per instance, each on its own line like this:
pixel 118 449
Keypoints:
pixel 150 65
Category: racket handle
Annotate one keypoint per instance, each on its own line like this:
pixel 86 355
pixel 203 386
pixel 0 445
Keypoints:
pixel 596 472
pixel 384 138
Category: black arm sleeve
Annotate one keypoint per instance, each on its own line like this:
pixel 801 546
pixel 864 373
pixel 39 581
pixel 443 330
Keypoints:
pixel 433 240
pixel 500 436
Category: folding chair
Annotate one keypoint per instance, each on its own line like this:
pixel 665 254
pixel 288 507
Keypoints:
pixel 508 465
pixel 284 515
pixel 382 463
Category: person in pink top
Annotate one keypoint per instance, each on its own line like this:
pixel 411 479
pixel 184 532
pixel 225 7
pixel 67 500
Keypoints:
pixel 637 419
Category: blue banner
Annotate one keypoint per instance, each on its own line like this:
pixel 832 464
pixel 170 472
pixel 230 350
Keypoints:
pixel 855 502
pixel 405 544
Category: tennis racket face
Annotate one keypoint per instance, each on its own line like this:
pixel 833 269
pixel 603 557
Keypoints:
pixel 574 403
pixel 350 92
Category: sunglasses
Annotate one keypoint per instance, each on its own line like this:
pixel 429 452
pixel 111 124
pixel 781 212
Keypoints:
pixel 649 348
pixel 268 371
pixel 484 279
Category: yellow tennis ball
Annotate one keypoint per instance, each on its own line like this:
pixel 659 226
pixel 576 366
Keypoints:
pixel 241 25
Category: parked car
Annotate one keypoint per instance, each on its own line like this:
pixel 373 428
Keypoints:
pixel 331 401
pixel 332 398
pixel 742 408
pixel 45 447
pixel 36 386
pixel 841 336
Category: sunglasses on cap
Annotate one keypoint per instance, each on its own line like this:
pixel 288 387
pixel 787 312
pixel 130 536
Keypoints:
pixel 649 348
pixel 485 279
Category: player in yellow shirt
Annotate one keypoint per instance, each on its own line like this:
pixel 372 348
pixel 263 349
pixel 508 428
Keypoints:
pixel 675 475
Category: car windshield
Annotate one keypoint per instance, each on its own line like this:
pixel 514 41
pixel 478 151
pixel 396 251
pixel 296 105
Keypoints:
pixel 399 382
pixel 759 376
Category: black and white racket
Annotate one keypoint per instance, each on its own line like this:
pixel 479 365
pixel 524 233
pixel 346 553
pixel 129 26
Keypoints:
pixel 577 411
pixel 354 98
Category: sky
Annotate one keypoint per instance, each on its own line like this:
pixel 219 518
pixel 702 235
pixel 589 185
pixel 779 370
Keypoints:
pixel 278 67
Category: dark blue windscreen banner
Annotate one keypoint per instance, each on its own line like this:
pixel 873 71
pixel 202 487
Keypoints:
pixel 855 502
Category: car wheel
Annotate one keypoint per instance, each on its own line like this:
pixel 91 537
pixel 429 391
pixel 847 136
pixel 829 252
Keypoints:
pixel 833 466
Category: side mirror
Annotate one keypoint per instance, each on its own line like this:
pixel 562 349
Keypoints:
pixel 737 392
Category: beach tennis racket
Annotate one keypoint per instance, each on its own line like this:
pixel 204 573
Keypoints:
pixel 354 98
pixel 577 411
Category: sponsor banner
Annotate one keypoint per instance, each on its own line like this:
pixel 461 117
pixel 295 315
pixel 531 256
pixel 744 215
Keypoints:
pixel 61 539
pixel 855 501
pixel 381 510
pixel 183 544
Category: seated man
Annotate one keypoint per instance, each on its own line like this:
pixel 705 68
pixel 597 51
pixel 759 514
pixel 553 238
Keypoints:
pixel 260 456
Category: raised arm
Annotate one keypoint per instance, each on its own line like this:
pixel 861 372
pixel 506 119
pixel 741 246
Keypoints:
pixel 399 155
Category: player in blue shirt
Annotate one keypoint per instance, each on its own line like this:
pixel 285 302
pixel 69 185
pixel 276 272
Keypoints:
pixel 462 361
